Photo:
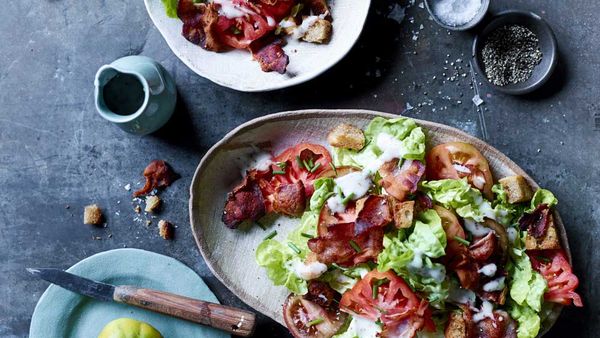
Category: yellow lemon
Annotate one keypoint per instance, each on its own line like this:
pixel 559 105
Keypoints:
pixel 129 328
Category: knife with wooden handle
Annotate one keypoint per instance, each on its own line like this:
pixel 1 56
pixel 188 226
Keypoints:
pixel 230 319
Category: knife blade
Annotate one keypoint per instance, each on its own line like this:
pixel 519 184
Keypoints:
pixel 230 319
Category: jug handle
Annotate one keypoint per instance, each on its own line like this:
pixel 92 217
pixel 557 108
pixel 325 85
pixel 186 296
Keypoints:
pixel 153 76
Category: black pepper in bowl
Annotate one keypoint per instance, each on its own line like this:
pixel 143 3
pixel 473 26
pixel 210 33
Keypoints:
pixel 510 54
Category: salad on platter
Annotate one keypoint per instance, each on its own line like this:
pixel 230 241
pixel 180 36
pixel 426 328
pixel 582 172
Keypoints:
pixel 258 26
pixel 395 239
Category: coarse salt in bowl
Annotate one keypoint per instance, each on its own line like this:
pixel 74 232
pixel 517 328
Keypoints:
pixel 457 14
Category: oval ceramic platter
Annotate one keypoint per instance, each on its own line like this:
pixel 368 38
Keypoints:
pixel 62 313
pixel 236 69
pixel 230 253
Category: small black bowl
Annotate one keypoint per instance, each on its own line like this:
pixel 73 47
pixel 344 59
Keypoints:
pixel 485 4
pixel 547 41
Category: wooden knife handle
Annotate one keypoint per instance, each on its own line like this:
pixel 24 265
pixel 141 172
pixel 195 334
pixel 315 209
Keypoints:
pixel 230 319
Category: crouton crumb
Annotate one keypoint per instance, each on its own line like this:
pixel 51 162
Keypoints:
pixel 346 136
pixel 517 189
pixel 152 203
pixel 166 229
pixel 92 214
pixel 318 32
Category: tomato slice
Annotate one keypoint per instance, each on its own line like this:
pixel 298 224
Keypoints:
pixel 314 315
pixel 456 160
pixel 303 162
pixel 562 282
pixel 394 304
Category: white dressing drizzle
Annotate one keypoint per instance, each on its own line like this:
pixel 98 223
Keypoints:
pixel 231 11
pixel 489 269
pixel 461 296
pixel 495 285
pixel 475 228
pixel 486 311
pixel 308 271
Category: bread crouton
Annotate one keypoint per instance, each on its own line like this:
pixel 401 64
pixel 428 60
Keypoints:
pixel 318 32
pixel 456 327
pixel 165 229
pixel 548 241
pixel 517 189
pixel 403 213
pixel 152 203
pixel 92 214
pixel 346 136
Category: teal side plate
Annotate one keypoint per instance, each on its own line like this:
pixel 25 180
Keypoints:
pixel 61 313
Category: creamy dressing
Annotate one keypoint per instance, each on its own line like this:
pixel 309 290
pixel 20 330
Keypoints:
pixel 512 234
pixel 489 269
pixel 356 184
pixel 495 285
pixel 391 148
pixel 461 296
pixel 475 228
pixel 271 22
pixel 364 328
pixel 461 168
pixel 308 271
pixel 417 261
pixel 260 162
pixel 485 207
pixel 416 266
pixel 231 11
pixel 486 311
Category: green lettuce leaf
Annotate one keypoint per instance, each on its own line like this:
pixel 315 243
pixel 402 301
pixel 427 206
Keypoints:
pixel 512 212
pixel 170 8
pixel 323 190
pixel 542 196
pixel 404 129
pixel 526 286
pixel 275 258
pixel 528 320
pixel 412 257
pixel 342 280
pixel 465 200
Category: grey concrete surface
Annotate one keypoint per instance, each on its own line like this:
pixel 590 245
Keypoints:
pixel 57 154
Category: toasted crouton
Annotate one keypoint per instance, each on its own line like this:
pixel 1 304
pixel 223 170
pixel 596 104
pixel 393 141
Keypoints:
pixel 152 203
pixel 165 229
pixel 318 32
pixel 346 136
pixel 403 213
pixel 92 214
pixel 548 241
pixel 456 327
pixel 517 189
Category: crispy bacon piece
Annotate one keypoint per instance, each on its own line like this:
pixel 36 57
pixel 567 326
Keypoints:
pixel 158 174
pixel 502 326
pixel 536 223
pixel 403 180
pixel 200 24
pixel 362 226
pixel 246 201
pixel 270 55
pixel 289 199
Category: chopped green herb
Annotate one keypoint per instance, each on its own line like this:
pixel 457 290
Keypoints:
pixel 312 170
pixel 294 247
pixel 271 235
pixel 296 9
pixel 311 163
pixel 333 167
pixel 315 321
pixel 281 165
pixel 262 226
pixel 348 198
pixel 355 246
pixel 304 234
pixel 306 165
pixel 338 267
pixel 379 322
pixel 299 161
pixel 278 172
pixel 235 30
pixel 461 241
pixel 278 30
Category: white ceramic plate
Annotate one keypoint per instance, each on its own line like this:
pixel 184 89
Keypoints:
pixel 236 69
pixel 230 253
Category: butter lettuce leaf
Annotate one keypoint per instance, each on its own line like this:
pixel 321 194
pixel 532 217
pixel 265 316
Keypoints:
pixel 170 8
pixel 342 280
pixel 403 129
pixel 542 196
pixel 275 257
pixel 528 320
pixel 526 286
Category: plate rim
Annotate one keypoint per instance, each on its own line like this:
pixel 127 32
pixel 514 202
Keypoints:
pixel 430 126
pixel 294 81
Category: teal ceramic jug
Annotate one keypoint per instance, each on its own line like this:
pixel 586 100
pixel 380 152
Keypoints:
pixel 136 93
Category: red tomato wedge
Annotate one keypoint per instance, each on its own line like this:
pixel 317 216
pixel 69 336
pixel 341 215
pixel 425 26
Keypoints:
pixel 386 297
pixel 456 160
pixel 555 268
pixel 303 162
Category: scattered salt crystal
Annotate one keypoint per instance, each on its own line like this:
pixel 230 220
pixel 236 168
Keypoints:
pixel 127 186
pixel 456 12
pixel 421 5
pixel 408 106
pixel 477 100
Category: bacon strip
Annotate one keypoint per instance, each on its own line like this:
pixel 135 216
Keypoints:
pixel 270 55
pixel 536 223
pixel 200 24
pixel 403 180
pixel 158 174
pixel 244 202
pixel 289 199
